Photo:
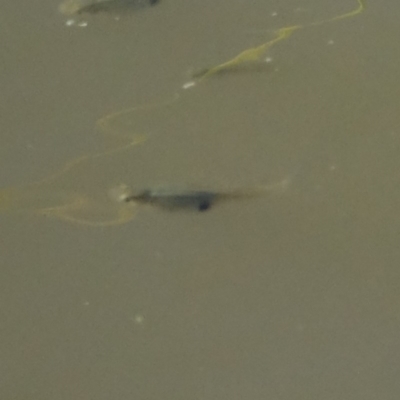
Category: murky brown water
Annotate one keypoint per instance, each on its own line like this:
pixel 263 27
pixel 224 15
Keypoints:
pixel 291 295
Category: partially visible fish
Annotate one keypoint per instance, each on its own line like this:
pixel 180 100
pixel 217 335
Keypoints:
pixel 198 200
pixel 71 7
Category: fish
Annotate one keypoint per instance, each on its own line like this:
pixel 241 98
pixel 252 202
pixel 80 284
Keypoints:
pixel 77 7
pixel 196 200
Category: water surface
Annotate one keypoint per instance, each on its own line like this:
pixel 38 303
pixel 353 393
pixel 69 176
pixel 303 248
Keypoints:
pixel 287 296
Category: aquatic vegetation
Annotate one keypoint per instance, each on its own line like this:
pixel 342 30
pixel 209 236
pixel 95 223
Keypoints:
pixel 78 192
pixel 255 54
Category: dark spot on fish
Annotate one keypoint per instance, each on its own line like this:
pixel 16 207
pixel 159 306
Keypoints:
pixel 204 206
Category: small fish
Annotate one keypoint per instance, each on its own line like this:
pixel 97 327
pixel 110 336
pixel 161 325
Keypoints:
pixel 77 7
pixel 198 200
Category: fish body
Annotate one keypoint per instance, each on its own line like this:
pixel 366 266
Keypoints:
pixel 196 200
pixel 190 200
pixel 71 7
